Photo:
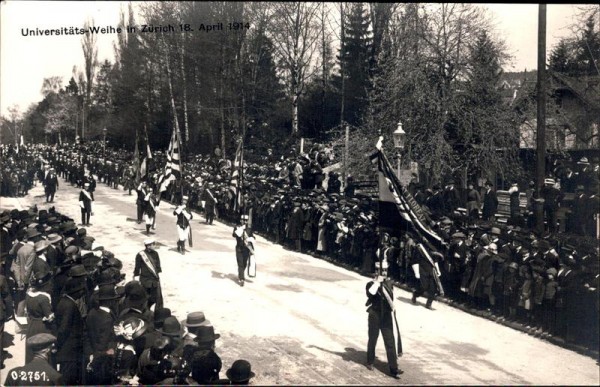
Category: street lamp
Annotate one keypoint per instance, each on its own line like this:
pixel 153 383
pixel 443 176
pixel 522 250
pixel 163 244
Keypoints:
pixel 399 136
pixel 104 143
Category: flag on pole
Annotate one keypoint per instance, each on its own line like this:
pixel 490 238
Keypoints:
pixel 147 165
pixel 136 160
pixel 237 177
pixel 397 207
pixel 172 170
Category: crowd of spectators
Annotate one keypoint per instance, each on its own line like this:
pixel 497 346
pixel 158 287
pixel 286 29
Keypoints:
pixel 547 282
pixel 66 291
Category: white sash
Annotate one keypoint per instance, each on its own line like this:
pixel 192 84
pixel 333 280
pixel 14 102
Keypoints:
pixel 86 193
pixel 148 262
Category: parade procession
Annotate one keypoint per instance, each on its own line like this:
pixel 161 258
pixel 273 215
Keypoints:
pixel 260 201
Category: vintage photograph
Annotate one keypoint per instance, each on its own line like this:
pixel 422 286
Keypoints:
pixel 299 193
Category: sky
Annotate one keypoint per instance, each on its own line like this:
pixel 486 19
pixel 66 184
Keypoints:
pixel 26 60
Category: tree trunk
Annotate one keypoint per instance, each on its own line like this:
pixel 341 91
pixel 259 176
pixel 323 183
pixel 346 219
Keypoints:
pixel 170 83
pixel 222 102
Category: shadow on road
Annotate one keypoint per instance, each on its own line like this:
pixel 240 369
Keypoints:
pixel 355 356
pixel 231 276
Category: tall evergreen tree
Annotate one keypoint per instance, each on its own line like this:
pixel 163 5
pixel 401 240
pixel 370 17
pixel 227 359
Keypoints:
pixel 355 55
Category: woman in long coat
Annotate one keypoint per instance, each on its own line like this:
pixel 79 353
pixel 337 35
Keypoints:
pixel 40 316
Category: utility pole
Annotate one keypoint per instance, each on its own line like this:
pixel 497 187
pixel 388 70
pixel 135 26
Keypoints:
pixel 541 119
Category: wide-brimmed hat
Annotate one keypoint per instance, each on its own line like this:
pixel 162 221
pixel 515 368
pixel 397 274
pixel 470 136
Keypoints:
pixel 583 161
pixel 54 238
pixel 78 271
pixel 206 334
pixel 240 371
pixel 171 327
pixel 195 319
pixel 41 246
pixel 41 278
pixel 72 250
pixel 135 292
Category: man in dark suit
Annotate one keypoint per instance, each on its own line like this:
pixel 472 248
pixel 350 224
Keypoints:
pixel 103 341
pixel 490 202
pixel 69 329
pixel 50 185
pixel 37 372
pixel 142 191
pixel 147 270
pixel 85 202
pixel 380 296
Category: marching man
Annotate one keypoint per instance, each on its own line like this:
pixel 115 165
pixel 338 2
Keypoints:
pixel 244 249
pixel 382 315
pixel 150 204
pixel 147 270
pixel 183 224
pixel 85 202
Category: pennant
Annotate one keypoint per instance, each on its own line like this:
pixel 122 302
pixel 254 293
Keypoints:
pixel 397 207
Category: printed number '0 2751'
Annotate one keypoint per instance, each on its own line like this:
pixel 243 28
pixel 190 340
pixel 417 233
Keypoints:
pixel 239 26
pixel 29 375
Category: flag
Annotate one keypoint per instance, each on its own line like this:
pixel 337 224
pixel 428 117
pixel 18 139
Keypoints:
pixel 237 177
pixel 136 161
pixel 172 170
pixel 147 165
pixel 397 207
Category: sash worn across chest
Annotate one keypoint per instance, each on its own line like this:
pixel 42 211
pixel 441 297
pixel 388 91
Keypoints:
pixel 148 263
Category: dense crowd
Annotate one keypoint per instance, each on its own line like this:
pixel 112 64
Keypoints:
pixel 547 282
pixel 68 294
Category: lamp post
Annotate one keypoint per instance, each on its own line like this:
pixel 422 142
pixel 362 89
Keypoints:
pixel 104 143
pixel 399 136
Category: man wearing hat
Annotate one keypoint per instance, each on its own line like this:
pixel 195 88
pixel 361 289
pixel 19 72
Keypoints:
pixel 210 202
pixel 147 269
pixel 50 185
pixel 192 323
pixel 40 316
pixel 240 372
pixel 183 224
pixel 70 312
pixel 41 345
pixel 85 203
pixel 552 199
pixel 24 253
pixel 490 202
pixel 149 209
pixel 102 338
pixel 242 247
pixel 380 303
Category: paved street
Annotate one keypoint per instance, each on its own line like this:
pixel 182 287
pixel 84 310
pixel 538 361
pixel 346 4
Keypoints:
pixel 302 320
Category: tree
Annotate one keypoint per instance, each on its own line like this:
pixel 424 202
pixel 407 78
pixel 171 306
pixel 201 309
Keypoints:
pixel 295 34
pixel 90 56
pixel 355 62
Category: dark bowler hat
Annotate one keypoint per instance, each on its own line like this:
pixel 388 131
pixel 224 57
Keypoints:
pixel 160 315
pixel 73 285
pixel 240 371
pixel 206 334
pixel 171 327
pixel 134 291
pixel 196 319
pixel 40 341
pixel 107 292
pixel 77 271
